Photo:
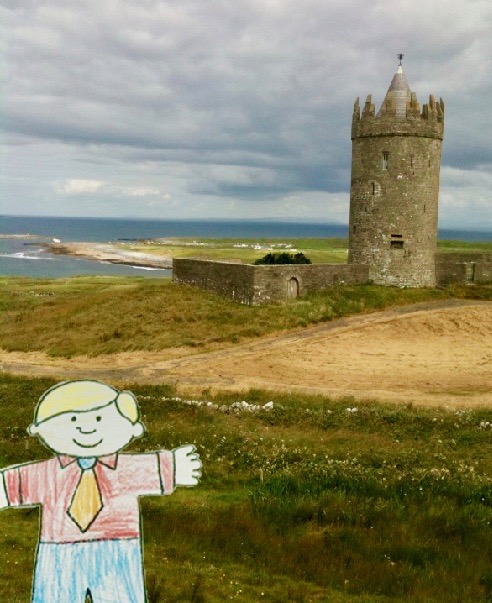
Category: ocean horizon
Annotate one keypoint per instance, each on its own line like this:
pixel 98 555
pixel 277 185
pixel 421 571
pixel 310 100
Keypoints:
pixel 21 256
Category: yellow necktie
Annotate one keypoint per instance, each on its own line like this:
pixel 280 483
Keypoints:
pixel 86 502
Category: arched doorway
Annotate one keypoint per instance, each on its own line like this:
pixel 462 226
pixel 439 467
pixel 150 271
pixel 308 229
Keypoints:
pixel 292 288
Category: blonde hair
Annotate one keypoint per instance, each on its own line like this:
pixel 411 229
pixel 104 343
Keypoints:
pixel 80 396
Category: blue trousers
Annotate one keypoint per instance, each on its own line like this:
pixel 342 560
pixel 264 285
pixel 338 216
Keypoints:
pixel 111 570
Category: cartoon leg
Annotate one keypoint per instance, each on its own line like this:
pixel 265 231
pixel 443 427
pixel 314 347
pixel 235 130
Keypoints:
pixel 116 574
pixel 58 574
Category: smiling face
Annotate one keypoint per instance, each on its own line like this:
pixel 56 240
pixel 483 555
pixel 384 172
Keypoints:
pixel 89 433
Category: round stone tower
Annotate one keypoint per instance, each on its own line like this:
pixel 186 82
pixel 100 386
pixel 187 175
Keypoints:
pixel 396 157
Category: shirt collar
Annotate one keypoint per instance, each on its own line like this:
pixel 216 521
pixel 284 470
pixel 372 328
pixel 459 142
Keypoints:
pixel 110 460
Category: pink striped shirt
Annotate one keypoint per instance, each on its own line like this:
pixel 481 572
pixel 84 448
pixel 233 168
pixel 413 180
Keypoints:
pixel 121 479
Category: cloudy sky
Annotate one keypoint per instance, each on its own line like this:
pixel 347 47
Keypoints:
pixel 229 108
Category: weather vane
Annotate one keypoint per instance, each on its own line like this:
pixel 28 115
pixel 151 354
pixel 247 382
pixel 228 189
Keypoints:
pixel 400 57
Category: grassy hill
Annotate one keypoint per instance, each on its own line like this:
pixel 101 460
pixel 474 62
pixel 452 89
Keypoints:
pixel 100 315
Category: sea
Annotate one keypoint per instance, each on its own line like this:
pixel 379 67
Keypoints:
pixel 23 255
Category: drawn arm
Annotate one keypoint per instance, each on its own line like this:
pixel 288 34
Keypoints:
pixel 187 466
pixel 3 493
pixel 23 485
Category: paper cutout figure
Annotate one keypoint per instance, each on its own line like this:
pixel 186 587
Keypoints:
pixel 90 537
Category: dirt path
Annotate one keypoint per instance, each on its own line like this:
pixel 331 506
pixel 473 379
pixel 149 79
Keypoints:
pixel 433 354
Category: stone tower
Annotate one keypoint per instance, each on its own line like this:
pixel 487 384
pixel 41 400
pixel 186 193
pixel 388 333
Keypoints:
pixel 396 157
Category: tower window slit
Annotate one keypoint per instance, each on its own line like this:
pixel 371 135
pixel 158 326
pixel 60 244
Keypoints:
pixel 385 160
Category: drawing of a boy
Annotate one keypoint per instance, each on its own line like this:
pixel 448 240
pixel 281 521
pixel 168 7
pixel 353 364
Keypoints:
pixel 90 538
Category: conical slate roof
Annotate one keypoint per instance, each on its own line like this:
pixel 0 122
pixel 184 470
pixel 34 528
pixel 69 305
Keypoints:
pixel 400 91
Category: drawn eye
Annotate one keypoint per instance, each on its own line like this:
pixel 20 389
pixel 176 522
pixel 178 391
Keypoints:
pixel 73 419
pixel 98 419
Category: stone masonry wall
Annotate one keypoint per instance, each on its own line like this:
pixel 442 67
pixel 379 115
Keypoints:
pixel 255 285
pixel 280 282
pixel 228 279
pixel 465 268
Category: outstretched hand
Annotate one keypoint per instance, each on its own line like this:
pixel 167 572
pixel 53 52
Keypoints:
pixel 188 466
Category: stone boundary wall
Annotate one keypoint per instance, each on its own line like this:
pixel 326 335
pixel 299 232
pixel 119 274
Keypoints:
pixel 465 268
pixel 255 285
pixel 279 282
pixel 225 278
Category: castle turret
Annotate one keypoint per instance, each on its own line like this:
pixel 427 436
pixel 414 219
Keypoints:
pixel 396 157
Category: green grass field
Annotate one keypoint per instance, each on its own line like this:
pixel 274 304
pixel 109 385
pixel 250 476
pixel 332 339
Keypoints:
pixel 247 250
pixel 312 501
pixel 319 251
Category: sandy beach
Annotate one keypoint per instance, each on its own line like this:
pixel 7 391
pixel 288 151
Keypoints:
pixel 106 252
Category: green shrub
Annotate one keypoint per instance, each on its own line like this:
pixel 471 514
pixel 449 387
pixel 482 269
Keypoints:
pixel 283 258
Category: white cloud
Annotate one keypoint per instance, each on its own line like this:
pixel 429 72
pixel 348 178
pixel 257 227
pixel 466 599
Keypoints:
pixel 141 192
pixel 75 186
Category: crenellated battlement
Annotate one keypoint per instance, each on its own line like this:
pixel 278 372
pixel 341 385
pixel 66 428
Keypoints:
pixel 425 123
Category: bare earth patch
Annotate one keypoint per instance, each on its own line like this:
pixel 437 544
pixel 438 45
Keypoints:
pixel 437 354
